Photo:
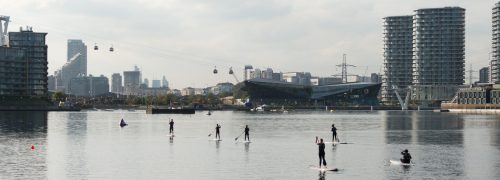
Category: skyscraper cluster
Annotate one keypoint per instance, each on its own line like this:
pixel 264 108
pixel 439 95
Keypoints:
pixel 424 54
pixel 76 65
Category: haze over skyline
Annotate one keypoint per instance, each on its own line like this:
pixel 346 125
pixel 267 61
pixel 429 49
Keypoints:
pixel 185 39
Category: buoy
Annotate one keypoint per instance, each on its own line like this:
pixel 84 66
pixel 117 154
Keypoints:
pixel 32 147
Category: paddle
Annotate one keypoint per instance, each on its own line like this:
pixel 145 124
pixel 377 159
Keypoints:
pixel 235 139
pixel 210 134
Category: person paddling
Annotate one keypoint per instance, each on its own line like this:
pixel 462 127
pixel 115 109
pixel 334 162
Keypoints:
pixel 171 123
pixel 334 133
pixel 217 132
pixel 321 152
pixel 122 123
pixel 406 157
pixel 247 135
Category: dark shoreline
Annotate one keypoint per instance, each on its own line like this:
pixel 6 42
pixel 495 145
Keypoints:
pixel 38 108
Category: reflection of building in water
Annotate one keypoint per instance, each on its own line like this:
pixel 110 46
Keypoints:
pixel 435 140
pixel 18 131
pixel 68 149
pixel 421 127
pixel 481 146
pixel 398 126
pixel 18 121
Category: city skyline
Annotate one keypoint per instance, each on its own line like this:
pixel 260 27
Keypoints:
pixel 193 37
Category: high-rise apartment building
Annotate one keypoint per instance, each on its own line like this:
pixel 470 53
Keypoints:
pixel 439 46
pixel 88 86
pixel 76 65
pixel 156 83
pixel 164 82
pixel 23 65
pixel 76 46
pixel 132 82
pixel 495 44
pixel 116 83
pixel 146 82
pixel 484 75
pixel 398 56
pixel 437 54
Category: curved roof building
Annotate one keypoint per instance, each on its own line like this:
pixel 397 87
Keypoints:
pixel 264 91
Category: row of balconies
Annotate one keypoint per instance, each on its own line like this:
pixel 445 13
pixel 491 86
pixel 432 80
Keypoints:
pixel 477 94
pixel 434 56
pixel 450 67
pixel 472 101
pixel 400 35
pixel 440 24
pixel 403 55
pixel 454 36
pixel 431 81
pixel 423 41
pixel 495 94
pixel 433 45
pixel 398 42
pixel 392 57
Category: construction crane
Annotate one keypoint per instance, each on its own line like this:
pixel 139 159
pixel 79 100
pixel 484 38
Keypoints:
pixel 3 30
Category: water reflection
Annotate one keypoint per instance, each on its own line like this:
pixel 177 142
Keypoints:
pixel 24 122
pixel 68 138
pixel 410 127
pixel 434 139
pixel 321 175
pixel 18 131
pixel 247 147
pixel 397 124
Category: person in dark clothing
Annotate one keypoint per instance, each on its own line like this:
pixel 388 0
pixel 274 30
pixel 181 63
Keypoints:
pixel 321 153
pixel 406 157
pixel 334 133
pixel 217 131
pixel 247 135
pixel 122 123
pixel 171 123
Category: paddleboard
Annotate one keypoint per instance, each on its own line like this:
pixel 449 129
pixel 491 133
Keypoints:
pixel 170 135
pixel 323 168
pixel 215 139
pixel 398 162
pixel 329 142
pixel 243 142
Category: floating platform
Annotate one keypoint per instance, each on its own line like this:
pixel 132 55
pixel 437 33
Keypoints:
pixel 169 111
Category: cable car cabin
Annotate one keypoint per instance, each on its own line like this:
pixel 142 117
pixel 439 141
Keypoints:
pixel 231 70
pixel 96 47
pixel 215 70
pixel 111 49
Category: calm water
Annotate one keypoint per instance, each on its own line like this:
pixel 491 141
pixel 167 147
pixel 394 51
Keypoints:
pixel 91 145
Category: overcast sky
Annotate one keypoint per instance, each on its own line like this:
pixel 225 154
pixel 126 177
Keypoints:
pixel 185 39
